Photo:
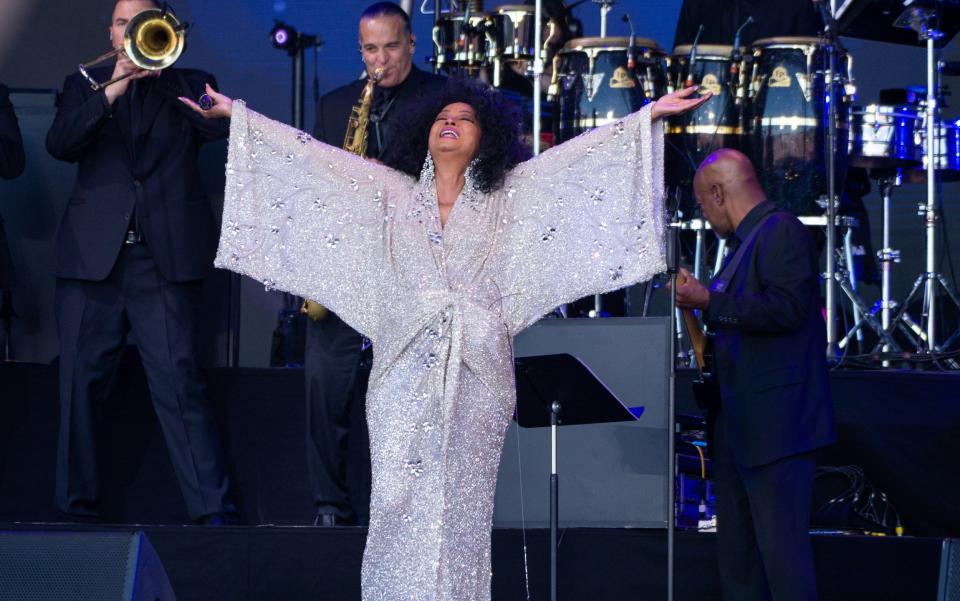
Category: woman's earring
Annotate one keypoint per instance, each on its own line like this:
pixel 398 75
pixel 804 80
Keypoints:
pixel 427 172
pixel 470 177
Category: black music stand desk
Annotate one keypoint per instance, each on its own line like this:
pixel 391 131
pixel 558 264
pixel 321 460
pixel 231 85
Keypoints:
pixel 554 390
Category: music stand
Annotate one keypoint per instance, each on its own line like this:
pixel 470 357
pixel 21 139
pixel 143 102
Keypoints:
pixel 548 385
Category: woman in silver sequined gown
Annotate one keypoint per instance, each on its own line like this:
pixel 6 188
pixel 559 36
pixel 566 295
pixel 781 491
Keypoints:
pixel 440 286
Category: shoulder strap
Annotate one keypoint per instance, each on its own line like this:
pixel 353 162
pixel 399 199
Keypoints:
pixel 720 282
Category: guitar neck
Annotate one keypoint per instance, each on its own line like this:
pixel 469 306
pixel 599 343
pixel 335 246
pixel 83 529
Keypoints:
pixel 698 340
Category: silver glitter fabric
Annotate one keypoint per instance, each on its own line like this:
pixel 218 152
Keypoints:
pixel 441 305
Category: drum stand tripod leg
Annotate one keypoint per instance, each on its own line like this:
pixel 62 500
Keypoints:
pixel 887 257
pixel 852 280
pixel 868 317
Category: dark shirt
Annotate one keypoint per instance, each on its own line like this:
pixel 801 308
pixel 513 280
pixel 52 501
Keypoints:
pixel 750 221
pixel 380 116
pixel 390 113
pixel 722 18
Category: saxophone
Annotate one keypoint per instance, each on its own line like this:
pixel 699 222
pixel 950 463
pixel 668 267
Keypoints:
pixel 354 141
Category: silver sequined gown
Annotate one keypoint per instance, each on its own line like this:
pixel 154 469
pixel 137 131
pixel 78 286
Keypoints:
pixel 441 307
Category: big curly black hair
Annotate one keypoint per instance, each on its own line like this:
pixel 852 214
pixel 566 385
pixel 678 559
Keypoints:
pixel 501 139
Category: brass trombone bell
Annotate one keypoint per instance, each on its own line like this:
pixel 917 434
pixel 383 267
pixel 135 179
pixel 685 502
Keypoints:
pixel 153 40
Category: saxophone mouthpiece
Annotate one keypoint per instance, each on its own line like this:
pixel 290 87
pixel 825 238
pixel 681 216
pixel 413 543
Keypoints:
pixel 377 74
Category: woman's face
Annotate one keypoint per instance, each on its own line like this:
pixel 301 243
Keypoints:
pixel 455 132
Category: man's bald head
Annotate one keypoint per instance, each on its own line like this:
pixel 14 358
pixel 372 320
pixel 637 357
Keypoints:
pixel 726 187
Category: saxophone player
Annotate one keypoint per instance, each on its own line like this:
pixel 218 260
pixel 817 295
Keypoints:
pixel 335 369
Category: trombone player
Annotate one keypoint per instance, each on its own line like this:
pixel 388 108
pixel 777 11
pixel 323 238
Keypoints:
pixel 134 243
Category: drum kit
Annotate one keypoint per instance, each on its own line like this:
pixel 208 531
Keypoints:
pixel 785 102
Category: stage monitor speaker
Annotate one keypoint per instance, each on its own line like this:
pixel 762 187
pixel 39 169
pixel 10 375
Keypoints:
pixel 81 566
pixel 949 588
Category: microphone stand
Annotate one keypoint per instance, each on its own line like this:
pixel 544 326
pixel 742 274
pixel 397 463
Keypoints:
pixel 693 57
pixel 735 73
pixel 830 35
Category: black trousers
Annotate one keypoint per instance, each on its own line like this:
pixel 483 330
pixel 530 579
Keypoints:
pixel 763 525
pixel 336 369
pixel 93 321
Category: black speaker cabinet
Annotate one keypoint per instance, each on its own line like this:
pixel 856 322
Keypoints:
pixel 949 588
pixel 81 566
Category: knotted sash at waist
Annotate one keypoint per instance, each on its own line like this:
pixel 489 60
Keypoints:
pixel 476 337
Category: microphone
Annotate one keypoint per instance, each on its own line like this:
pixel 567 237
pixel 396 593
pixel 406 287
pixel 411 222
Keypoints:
pixel 693 57
pixel 631 59
pixel 828 22
pixel 735 63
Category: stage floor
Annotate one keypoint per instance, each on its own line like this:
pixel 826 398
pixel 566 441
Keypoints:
pixel 298 563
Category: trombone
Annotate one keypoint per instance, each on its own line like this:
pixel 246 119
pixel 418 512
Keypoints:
pixel 153 40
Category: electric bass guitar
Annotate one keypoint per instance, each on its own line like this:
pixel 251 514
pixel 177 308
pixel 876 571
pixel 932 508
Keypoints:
pixel 705 389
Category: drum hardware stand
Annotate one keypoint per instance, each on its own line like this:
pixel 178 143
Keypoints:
pixel 852 278
pixel 842 277
pixel 887 255
pixel 605 7
pixel 922 20
pixel 830 35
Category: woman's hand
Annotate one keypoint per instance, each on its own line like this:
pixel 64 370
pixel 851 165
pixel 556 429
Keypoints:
pixel 677 103
pixel 222 105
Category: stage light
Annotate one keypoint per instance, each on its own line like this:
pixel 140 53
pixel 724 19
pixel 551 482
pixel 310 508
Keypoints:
pixel 284 37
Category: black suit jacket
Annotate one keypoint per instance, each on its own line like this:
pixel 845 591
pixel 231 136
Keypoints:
pixel 152 170
pixel 334 108
pixel 11 144
pixel 770 344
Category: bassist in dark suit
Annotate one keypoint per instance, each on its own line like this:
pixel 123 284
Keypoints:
pixel 774 406
pixel 136 239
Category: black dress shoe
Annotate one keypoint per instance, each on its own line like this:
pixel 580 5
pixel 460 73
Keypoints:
pixel 76 518
pixel 219 519
pixel 332 520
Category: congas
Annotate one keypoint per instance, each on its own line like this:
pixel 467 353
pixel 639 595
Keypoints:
pixel 692 136
pixel 884 137
pixel 514 33
pixel 464 42
pixel 594 85
pixel 788 122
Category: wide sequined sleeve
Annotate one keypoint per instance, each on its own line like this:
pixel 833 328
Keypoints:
pixel 305 217
pixel 584 217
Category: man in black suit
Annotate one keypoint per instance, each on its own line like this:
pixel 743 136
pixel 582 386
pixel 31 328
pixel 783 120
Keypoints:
pixel 11 166
pixel 11 144
pixel 334 350
pixel 775 407
pixel 137 237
